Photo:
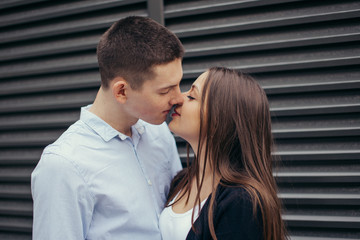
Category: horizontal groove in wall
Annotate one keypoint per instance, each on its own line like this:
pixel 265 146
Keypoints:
pixel 289 43
pixel 60 10
pixel 344 85
pixel 320 155
pixel 323 132
pixel 322 221
pixel 276 38
pixel 16 208
pixel 42 120
pixel 15 178
pixel 66 26
pixel 307 80
pixel 265 18
pixel 311 58
pixel 15 224
pixel 309 156
pixel 302 81
pixel 318 177
pixel 65 100
pixel 15 174
pixel 30 138
pixel 51 82
pixel 347 143
pixel 200 7
pixel 11 156
pixel 60 45
pixel 339 199
pixel 315 110
pixel 50 65
pixel 302 156
pixel 17 3
pixel 15 191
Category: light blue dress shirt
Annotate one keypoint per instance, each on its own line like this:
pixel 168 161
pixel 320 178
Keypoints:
pixel 97 183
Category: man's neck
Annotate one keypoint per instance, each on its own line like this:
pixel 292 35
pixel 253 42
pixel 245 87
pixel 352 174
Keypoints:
pixel 109 110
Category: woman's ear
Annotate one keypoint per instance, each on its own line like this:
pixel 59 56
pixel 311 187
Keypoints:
pixel 120 89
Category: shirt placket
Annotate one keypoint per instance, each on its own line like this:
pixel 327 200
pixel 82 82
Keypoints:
pixel 149 183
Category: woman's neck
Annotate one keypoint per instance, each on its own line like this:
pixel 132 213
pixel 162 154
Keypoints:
pixel 205 168
pixel 206 174
pixel 209 183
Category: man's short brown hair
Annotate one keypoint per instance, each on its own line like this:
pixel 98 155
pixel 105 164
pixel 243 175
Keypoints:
pixel 132 46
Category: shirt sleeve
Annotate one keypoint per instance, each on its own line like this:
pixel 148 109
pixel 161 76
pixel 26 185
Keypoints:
pixel 62 203
pixel 235 219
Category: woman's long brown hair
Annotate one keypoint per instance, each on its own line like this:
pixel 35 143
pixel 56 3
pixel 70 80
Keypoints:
pixel 235 136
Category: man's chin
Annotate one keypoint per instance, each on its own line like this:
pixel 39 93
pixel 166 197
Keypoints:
pixel 154 121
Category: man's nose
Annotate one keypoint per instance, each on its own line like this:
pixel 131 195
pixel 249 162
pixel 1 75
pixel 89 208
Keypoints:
pixel 178 98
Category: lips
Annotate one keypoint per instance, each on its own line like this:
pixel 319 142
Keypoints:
pixel 175 113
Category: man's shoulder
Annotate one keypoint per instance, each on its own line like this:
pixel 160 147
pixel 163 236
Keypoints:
pixel 71 138
pixel 72 150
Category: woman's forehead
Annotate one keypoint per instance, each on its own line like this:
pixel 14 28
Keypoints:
pixel 199 82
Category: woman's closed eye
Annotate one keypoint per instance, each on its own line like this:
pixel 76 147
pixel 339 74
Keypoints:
pixel 190 97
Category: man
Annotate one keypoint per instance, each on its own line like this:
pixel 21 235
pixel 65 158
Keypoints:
pixel 108 175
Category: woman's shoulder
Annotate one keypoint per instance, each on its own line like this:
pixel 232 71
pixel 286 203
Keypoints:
pixel 237 204
pixel 236 197
pixel 232 191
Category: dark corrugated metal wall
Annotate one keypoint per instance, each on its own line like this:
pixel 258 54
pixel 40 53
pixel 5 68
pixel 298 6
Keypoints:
pixel 306 54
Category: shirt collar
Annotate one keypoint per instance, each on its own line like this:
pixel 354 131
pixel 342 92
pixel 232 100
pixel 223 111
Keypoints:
pixel 139 126
pixel 103 129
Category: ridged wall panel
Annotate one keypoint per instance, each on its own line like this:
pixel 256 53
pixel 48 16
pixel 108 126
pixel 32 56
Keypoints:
pixel 305 54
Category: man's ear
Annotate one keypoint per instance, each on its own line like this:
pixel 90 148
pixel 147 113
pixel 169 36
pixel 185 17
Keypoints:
pixel 120 89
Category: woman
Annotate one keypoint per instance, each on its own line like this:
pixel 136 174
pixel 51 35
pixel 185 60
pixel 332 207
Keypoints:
pixel 226 120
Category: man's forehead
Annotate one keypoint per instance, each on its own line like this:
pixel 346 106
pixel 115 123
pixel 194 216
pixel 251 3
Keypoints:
pixel 162 82
pixel 167 75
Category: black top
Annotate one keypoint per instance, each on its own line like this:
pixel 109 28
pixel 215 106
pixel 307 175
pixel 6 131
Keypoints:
pixel 234 218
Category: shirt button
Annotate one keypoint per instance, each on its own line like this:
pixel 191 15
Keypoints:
pixel 149 182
